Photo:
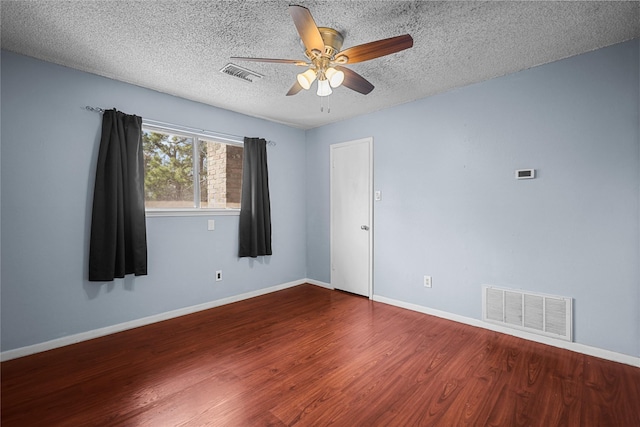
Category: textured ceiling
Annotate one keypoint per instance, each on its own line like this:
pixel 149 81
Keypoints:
pixel 178 47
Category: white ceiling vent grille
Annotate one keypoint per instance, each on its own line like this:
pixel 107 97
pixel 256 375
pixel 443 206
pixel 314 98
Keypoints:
pixel 541 314
pixel 241 72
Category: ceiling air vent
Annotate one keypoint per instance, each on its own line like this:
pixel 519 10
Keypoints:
pixel 240 72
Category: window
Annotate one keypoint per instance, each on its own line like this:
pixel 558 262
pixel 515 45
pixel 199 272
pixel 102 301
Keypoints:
pixel 186 171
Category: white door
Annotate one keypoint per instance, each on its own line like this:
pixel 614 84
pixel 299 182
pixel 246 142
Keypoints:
pixel 351 216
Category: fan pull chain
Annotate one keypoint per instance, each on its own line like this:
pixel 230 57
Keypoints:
pixel 322 98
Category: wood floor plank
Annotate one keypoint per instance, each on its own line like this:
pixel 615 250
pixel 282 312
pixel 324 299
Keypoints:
pixel 309 356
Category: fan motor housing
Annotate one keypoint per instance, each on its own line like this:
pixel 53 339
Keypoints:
pixel 332 39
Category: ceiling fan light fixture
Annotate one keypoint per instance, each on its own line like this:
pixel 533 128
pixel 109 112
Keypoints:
pixel 335 77
pixel 324 89
pixel 323 50
pixel 305 79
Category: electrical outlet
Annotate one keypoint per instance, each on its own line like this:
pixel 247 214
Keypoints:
pixel 218 275
pixel 427 281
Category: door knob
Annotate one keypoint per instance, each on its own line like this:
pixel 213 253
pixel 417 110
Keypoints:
pixel 364 227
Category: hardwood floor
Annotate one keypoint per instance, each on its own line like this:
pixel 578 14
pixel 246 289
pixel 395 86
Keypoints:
pixel 308 356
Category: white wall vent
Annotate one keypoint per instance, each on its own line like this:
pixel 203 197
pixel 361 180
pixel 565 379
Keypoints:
pixel 547 315
pixel 241 72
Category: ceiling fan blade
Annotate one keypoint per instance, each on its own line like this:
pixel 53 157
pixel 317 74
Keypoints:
pixel 372 50
pixel 355 81
pixel 280 61
pixel 307 28
pixel 294 89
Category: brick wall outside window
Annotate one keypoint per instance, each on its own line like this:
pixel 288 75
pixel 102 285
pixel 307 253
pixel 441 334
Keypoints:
pixel 224 175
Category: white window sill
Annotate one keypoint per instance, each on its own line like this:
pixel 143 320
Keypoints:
pixel 150 213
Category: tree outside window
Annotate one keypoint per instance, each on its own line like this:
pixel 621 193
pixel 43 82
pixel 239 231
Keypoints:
pixel 173 180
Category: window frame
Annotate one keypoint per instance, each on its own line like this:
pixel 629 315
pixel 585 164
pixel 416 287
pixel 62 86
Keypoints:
pixel 197 138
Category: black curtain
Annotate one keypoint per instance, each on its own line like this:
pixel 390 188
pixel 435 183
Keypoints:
pixel 118 229
pixel 255 209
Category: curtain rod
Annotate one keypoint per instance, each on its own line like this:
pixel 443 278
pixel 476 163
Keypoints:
pixel 220 135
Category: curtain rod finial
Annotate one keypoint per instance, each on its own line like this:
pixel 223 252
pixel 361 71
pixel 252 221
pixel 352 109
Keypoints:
pixel 94 109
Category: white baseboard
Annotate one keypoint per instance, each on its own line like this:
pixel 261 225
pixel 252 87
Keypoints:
pixel 319 283
pixel 573 346
pixel 96 333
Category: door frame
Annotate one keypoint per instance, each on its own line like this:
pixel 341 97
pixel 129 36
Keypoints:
pixel 332 147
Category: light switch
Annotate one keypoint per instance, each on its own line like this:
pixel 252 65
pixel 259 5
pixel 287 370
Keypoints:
pixel 211 225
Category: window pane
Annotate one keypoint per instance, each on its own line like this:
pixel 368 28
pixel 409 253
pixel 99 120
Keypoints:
pixel 204 164
pixel 221 178
pixel 168 163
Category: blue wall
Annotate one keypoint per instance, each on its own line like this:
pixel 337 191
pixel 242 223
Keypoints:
pixel 452 209
pixel 49 152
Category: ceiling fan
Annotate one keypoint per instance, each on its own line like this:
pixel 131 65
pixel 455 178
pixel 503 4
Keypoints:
pixel 325 59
